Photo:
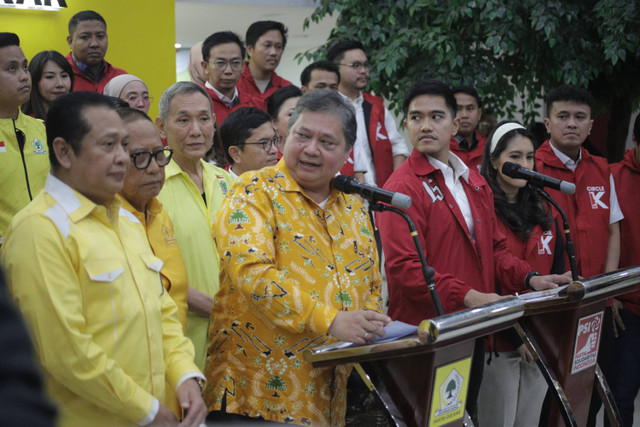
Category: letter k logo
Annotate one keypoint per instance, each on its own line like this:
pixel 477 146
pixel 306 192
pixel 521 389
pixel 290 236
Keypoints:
pixel 543 245
pixel 595 200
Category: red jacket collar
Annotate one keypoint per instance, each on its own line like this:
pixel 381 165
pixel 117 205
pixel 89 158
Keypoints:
pixel 629 160
pixel 421 167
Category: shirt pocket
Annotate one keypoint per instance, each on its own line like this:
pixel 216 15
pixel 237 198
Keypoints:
pixel 154 264
pixel 107 292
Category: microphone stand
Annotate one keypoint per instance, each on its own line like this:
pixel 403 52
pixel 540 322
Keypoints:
pixel 427 272
pixel 565 223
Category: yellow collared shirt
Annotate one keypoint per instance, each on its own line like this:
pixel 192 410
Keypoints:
pixel 14 171
pixel 104 329
pixel 193 221
pixel 288 266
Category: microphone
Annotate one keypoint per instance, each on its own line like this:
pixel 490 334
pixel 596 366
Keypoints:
pixel 514 170
pixel 350 185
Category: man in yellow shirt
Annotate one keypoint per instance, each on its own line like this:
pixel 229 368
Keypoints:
pixel 24 163
pixel 299 266
pixel 83 275
pixel 192 195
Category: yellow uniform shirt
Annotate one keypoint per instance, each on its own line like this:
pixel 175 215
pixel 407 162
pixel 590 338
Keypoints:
pixel 22 178
pixel 193 221
pixel 288 266
pixel 104 329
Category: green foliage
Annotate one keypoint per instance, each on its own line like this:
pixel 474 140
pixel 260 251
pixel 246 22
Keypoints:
pixel 504 48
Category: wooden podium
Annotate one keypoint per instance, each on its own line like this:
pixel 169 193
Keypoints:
pixel 422 379
pixel 563 327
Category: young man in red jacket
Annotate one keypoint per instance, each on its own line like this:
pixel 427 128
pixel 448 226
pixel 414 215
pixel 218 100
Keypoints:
pixel 88 42
pixel 468 144
pixel 379 148
pixel 623 373
pixel 454 216
pixel 266 41
pixel 222 62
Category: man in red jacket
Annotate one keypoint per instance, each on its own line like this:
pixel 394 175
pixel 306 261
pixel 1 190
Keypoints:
pixel 455 220
pixel 222 62
pixel 623 373
pixel 468 144
pixel 379 148
pixel 266 41
pixel 88 42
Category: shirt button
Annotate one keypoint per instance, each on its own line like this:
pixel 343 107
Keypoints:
pixel 478 219
pixel 450 206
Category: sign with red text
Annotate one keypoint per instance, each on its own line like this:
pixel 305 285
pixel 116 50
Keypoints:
pixel 585 352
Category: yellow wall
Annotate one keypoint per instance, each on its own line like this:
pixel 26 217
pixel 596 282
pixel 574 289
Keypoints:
pixel 141 36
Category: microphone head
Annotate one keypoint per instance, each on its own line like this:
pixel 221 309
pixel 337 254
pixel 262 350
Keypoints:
pixel 400 200
pixel 343 182
pixel 511 169
pixel 567 187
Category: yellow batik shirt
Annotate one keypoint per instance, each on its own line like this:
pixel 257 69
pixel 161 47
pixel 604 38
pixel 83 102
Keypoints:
pixel 287 267
pixel 20 175
pixel 193 221
pixel 105 331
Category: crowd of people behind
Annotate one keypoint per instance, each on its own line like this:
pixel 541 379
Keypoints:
pixel 176 270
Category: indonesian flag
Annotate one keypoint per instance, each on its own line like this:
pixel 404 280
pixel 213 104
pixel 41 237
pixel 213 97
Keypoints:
pixel 3 148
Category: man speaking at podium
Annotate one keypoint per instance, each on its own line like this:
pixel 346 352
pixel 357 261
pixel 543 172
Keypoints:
pixel 454 215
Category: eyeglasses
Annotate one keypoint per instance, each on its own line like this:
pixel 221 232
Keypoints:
pixel 221 64
pixel 267 143
pixel 357 65
pixel 142 160
pixel 135 98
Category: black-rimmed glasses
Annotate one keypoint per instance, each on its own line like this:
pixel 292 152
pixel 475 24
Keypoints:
pixel 142 160
pixel 268 143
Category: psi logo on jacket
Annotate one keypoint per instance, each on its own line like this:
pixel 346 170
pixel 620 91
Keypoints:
pixel 595 196
pixel 433 192
pixel 543 244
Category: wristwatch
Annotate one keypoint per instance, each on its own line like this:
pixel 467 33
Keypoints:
pixel 201 382
pixel 528 278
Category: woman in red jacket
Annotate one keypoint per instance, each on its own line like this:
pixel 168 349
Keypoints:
pixel 512 388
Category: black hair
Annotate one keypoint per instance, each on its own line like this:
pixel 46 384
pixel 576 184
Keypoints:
pixel 277 98
pixel 257 29
pixel 305 77
pixel 66 120
pixel 530 209
pixel 129 115
pixel 636 129
pixel 336 52
pixel 221 37
pixel 9 39
pixel 469 90
pixel 570 93
pixel 238 127
pixel 430 87
pixel 84 15
pixel 36 106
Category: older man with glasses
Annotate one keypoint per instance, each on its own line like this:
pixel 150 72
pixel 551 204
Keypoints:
pixel 142 183
pixel 249 140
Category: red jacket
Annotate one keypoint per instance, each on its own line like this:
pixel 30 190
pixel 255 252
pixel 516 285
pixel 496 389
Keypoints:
pixel 473 158
pixel 626 175
pixel 587 210
pixel 247 87
pixel 379 143
pixel 460 263
pixel 83 83
pixel 222 111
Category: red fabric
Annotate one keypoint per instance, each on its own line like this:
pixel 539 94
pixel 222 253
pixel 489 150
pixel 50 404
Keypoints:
pixel 626 175
pixel 247 87
pixel 83 83
pixel 588 221
pixel 379 142
pixel 473 158
pixel 222 111
pixel 460 264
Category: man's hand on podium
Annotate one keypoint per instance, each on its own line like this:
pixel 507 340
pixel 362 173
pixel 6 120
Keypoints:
pixel 524 352
pixel 551 281
pixel 359 326
pixel 474 298
pixel 616 306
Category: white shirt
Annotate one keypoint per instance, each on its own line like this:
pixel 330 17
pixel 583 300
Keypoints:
pixel 452 175
pixel 230 102
pixel 615 213
pixel 362 157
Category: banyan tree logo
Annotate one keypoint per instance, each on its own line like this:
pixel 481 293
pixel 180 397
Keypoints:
pixel 450 393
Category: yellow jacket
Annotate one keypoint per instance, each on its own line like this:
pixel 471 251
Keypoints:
pixel 88 285
pixel 193 221
pixel 16 170
pixel 288 266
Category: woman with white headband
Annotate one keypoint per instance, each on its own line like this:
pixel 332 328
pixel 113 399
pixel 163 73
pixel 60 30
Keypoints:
pixel 512 388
